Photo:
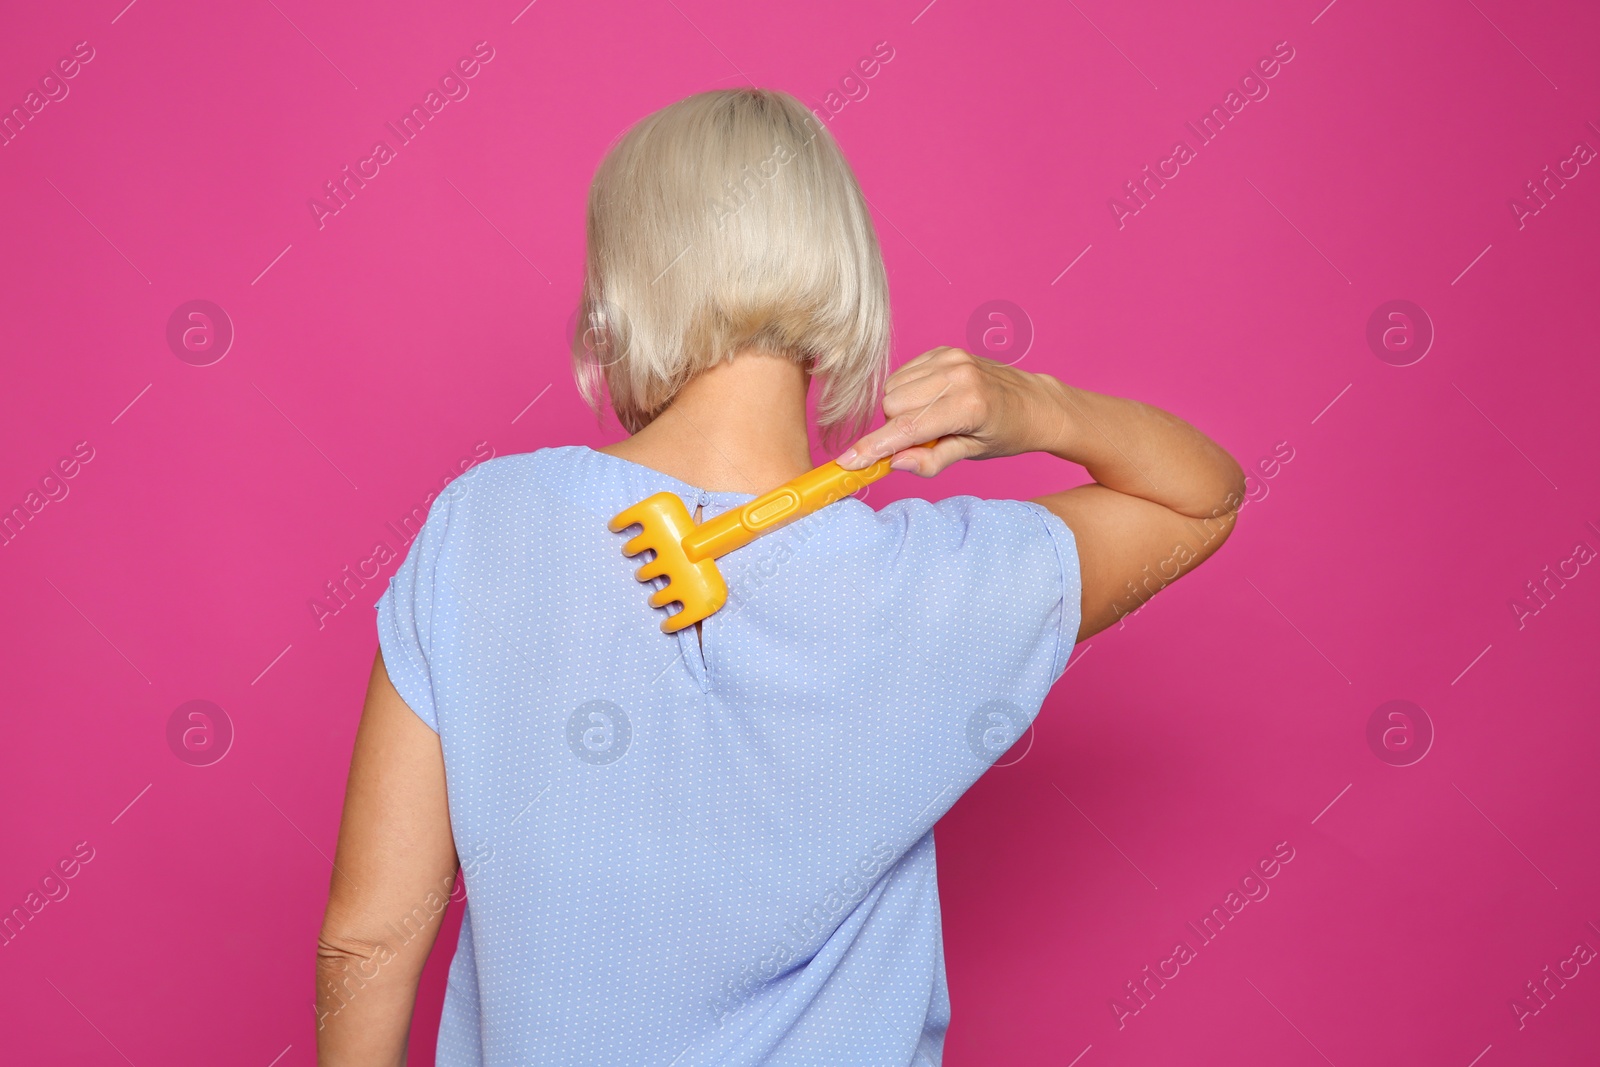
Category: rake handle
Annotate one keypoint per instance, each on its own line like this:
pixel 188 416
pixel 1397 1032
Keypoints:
pixel 792 500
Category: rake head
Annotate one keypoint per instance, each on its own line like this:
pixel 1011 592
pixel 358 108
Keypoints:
pixel 697 586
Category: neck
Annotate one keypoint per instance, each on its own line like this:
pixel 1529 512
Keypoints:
pixel 738 427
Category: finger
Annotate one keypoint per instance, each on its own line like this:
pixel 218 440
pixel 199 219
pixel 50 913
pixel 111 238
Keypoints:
pixel 927 363
pixel 919 362
pixel 897 432
pixel 907 375
pixel 893 436
pixel 913 396
pixel 927 461
pixel 909 405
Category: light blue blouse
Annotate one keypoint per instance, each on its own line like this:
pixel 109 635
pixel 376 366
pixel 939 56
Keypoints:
pixel 680 855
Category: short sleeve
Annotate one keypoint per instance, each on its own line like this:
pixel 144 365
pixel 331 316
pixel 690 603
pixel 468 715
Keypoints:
pixel 1069 617
pixel 994 590
pixel 977 614
pixel 406 615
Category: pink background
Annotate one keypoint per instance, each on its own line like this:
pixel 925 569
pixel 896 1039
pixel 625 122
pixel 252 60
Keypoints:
pixel 373 354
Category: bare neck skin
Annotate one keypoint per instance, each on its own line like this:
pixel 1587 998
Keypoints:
pixel 738 427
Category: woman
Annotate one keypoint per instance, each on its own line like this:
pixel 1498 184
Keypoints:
pixel 715 846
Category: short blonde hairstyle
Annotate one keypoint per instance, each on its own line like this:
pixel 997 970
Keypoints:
pixel 730 220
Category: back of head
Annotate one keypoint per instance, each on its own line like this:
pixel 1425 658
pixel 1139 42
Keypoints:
pixel 728 221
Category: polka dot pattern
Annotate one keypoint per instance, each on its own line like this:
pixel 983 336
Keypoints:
pixel 685 855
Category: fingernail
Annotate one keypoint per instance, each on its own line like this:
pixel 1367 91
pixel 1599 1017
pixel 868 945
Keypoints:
pixel 848 460
pixel 904 463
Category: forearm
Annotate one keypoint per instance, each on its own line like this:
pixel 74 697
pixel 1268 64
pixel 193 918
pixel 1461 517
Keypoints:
pixel 1136 449
pixel 368 970
pixel 390 886
pixel 365 996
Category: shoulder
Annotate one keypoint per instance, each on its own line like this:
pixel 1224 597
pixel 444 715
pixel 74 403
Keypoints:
pixel 997 551
pixel 966 542
pixel 998 574
pixel 955 511
pixel 959 522
pixel 508 480
pixel 519 469
pixel 477 503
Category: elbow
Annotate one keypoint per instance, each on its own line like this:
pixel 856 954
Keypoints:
pixel 343 959
pixel 1222 501
pixel 1226 500
pixel 343 972
pixel 1234 491
pixel 364 974
pixel 1219 490
pixel 1229 496
pixel 367 952
pixel 1233 498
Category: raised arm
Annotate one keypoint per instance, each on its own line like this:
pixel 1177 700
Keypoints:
pixel 393 872
pixel 1164 495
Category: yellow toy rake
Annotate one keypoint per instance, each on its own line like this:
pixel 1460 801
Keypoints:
pixel 687 553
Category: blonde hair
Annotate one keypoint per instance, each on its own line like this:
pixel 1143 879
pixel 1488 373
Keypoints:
pixel 730 220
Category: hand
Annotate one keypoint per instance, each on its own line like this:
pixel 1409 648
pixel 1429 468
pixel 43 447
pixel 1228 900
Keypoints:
pixel 973 408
